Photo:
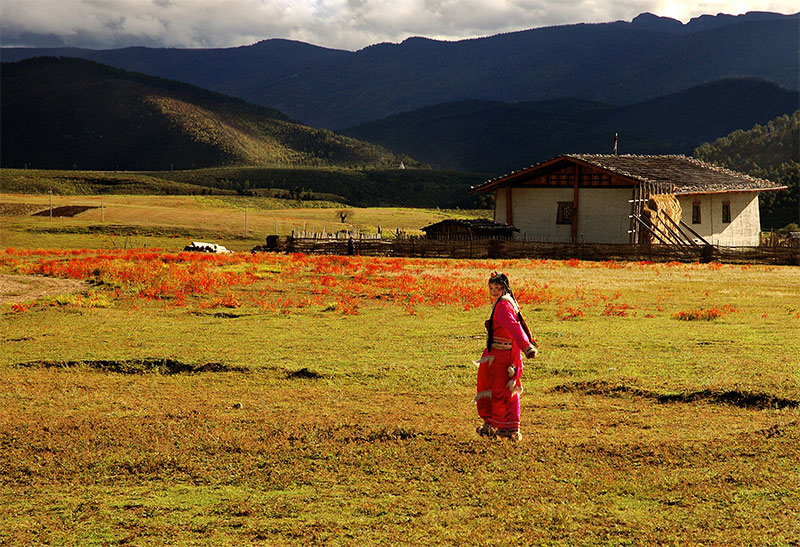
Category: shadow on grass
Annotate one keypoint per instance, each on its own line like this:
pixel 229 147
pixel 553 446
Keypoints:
pixel 65 211
pixel 352 433
pixel 137 366
pixel 737 398
pixel 304 374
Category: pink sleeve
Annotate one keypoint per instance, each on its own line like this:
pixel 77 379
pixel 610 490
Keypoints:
pixel 505 317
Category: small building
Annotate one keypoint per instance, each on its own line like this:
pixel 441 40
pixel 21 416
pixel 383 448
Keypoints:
pixel 466 228
pixel 594 198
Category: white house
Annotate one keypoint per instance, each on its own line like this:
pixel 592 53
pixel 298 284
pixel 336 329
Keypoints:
pixel 595 198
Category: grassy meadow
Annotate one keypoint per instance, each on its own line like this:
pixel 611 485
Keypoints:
pixel 244 399
pixel 171 222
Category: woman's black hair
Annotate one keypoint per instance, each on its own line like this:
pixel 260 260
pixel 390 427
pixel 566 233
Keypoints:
pixel 502 280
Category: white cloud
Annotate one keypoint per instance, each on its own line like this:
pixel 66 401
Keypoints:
pixel 346 24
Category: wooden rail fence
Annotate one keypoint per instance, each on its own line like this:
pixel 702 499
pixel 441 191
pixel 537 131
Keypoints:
pixel 502 249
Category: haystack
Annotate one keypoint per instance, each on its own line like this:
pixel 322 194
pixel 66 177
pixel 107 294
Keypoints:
pixel 655 213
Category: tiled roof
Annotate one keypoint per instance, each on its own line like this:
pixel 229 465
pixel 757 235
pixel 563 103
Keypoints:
pixel 670 173
pixel 686 175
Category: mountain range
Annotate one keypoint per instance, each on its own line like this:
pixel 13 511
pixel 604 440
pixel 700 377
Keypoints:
pixel 617 63
pixel 73 113
pixel 495 137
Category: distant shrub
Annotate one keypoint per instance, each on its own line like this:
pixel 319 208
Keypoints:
pixel 617 310
pixel 705 314
pixel 568 312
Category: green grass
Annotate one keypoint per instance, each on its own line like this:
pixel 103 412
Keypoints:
pixel 628 438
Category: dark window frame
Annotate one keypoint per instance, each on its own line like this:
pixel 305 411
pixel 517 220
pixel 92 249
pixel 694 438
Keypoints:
pixel 726 212
pixel 697 217
pixel 564 213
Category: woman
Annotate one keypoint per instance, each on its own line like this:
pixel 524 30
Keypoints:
pixel 500 367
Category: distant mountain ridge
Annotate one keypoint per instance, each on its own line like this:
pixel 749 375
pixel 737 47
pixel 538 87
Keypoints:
pixel 697 24
pixel 490 136
pixel 72 113
pixel 618 63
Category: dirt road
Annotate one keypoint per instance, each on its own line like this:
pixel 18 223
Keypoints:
pixel 22 288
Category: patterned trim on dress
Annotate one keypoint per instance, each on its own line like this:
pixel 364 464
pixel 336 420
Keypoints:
pixel 503 425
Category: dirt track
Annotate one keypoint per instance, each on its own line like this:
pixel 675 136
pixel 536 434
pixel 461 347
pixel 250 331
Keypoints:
pixel 22 288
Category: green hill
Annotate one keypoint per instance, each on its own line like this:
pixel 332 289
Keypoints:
pixel 62 113
pixel 360 187
pixel 75 183
pixel 303 186
pixel 770 151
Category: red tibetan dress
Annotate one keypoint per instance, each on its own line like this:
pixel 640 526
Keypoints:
pixel 500 367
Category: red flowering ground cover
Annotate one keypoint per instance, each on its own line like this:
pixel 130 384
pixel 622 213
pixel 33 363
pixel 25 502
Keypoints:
pixel 285 283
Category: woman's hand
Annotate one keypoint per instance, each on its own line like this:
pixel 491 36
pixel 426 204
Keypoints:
pixel 531 351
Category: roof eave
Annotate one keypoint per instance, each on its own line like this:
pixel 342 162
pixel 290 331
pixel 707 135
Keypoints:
pixel 513 177
pixel 508 179
pixel 729 191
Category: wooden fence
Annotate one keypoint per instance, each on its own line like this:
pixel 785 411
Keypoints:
pixel 495 248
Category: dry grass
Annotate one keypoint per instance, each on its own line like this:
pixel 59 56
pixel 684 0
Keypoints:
pixel 640 429
pixel 171 222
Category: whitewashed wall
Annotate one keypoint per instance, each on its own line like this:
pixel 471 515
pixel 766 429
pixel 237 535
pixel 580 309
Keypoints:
pixel 744 228
pixel 603 214
pixel 534 212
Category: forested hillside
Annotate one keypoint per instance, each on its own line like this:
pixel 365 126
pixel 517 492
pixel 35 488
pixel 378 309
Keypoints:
pixel 71 113
pixel 770 151
pixel 357 187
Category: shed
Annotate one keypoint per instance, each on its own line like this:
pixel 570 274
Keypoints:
pixel 468 228
pixel 602 198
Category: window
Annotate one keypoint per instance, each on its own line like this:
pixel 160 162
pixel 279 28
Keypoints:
pixel 564 215
pixel 696 212
pixel 726 211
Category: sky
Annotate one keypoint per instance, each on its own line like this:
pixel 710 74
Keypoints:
pixel 339 24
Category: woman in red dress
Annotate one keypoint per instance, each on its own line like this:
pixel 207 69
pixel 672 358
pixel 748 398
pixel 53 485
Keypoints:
pixel 500 367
